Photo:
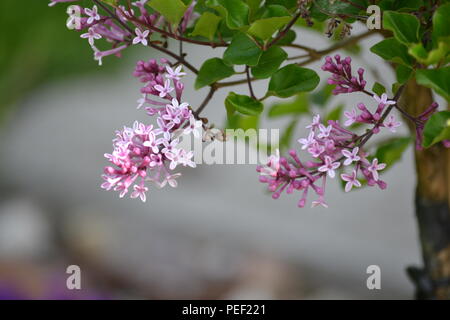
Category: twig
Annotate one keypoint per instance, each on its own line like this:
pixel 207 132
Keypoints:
pixel 211 92
pixel 247 72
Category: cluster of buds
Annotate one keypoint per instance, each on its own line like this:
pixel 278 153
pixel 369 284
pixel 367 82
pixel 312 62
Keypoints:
pixel 146 153
pixel 342 77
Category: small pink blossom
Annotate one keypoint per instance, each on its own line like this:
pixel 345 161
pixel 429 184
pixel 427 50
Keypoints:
pixel 307 142
pixel 92 14
pixel 374 167
pixel 324 131
pixel 139 191
pixel 351 180
pixel 316 149
pixel 351 156
pixel 164 90
pixel 174 74
pixel 91 35
pixel 392 124
pixel 329 167
pixel 194 127
pixel 171 180
pixel 141 36
pixel 315 123
pixel 319 202
pixel 351 117
pixel 383 100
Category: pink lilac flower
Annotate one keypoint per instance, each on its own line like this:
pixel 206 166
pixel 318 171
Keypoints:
pixel 351 156
pixel 324 131
pixel 342 75
pixel 194 126
pixel 319 202
pixel 375 167
pixel 91 35
pixel 329 167
pixel 164 90
pixel 306 143
pixel 92 14
pixel 174 74
pixel 141 36
pixel 171 180
pixel 139 191
pixel 351 180
pixel 351 117
pixel 316 149
pixel 383 100
pixel 315 123
pixel 392 124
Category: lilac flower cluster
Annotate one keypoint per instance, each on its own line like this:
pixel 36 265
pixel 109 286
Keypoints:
pixel 331 147
pixel 147 153
pixel 126 28
pixel 342 76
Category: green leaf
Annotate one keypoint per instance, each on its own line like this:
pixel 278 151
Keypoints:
pixel 441 23
pixel 291 80
pixel 321 96
pixel 239 121
pixel 235 12
pixel 298 106
pixel 403 73
pixel 269 62
pixel 437 128
pixel 288 38
pixel 206 25
pixel 265 28
pixel 333 8
pixel 392 50
pixel 391 151
pixel 171 10
pixel 212 70
pixel 404 26
pixel 243 104
pixel 242 50
pixel 334 114
pixel 378 88
pixel 285 3
pixel 436 79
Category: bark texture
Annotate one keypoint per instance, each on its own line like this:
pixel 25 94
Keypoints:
pixel 432 206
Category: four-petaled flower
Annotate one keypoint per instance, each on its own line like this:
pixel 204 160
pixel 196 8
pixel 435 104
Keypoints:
pixel 329 167
pixel 91 35
pixel 324 131
pixel 141 37
pixel 351 156
pixel 351 117
pixel 315 123
pixel 316 149
pixel 383 100
pixel 319 202
pixel 307 142
pixel 164 90
pixel 174 74
pixel 374 167
pixel 194 127
pixel 92 14
pixel 171 180
pixel 351 180
pixel 139 191
pixel 392 124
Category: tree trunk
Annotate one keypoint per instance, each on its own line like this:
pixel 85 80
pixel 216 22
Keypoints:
pixel 432 206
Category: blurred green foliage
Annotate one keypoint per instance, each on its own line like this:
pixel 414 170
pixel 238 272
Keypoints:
pixel 36 47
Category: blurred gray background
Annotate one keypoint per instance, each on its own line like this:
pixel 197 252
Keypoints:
pixel 218 235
